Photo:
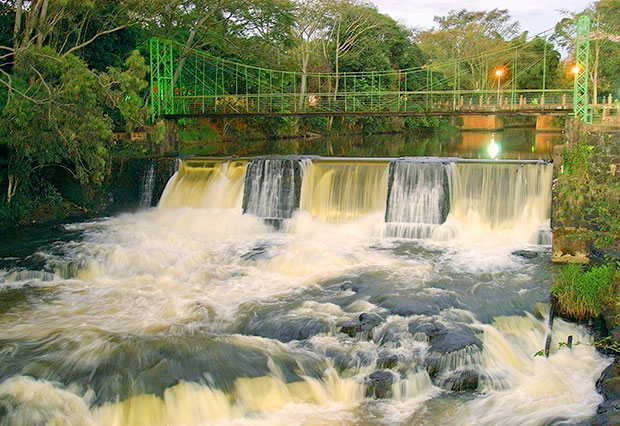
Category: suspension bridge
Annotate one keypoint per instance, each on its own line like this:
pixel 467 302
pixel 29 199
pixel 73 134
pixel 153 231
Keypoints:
pixel 190 83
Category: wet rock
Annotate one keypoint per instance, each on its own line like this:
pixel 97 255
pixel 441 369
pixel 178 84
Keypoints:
pixel 449 349
pixel 406 308
pixel 387 361
pixel 444 339
pixel 431 329
pixel 350 286
pixel 452 340
pixel 608 413
pixel 365 322
pixel 352 329
pixel 380 384
pixel 526 254
pixel 461 380
pixel 369 321
pixel 608 384
pixel 289 329
pixel 428 302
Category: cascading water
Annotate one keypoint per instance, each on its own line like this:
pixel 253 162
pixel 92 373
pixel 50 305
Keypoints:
pixel 272 188
pixel 511 200
pixel 341 191
pixel 148 183
pixel 198 313
pixel 206 184
pixel 418 200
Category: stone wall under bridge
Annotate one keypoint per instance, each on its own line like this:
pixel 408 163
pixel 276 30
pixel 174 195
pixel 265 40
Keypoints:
pixel 570 241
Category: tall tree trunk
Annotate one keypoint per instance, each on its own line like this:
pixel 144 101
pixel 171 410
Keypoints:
pixel 18 22
pixel 597 50
pixel 336 84
pixel 188 44
pixel 304 79
pixel 32 19
pixel 41 24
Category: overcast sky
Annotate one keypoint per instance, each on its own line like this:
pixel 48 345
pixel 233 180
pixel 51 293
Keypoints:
pixel 535 16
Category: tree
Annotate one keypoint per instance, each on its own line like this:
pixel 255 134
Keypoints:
pixel 532 66
pixel 349 23
pixel 605 38
pixel 309 26
pixel 604 43
pixel 464 35
pixel 54 108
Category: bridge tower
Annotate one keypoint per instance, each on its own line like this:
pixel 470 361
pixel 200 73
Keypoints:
pixel 162 76
pixel 581 106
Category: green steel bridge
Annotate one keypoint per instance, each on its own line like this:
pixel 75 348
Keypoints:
pixel 189 83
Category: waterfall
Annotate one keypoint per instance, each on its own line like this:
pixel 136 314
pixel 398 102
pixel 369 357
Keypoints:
pixel 339 191
pixel 272 188
pixel 148 181
pixel 509 199
pixel 423 198
pixel 418 198
pixel 206 184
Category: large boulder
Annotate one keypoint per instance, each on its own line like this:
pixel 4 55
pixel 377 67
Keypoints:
pixel 380 384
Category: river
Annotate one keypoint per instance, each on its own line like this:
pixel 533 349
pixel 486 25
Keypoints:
pixel 302 290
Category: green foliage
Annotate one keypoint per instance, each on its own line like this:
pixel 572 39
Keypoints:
pixel 583 293
pixel 572 184
pixel 532 68
pixel 588 198
pixel 125 90
pixel 54 117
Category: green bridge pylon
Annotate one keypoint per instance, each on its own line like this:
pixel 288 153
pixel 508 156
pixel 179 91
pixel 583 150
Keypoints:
pixel 186 82
pixel 581 107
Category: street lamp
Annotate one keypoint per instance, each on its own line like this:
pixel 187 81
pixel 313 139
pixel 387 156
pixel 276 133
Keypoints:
pixel 499 72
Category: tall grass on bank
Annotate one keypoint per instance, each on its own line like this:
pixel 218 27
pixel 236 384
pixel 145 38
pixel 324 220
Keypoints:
pixel 584 292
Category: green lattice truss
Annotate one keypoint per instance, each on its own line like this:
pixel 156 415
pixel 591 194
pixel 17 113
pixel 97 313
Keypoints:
pixel 581 106
pixel 188 82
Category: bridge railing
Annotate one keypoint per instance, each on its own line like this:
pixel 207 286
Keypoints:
pixel 351 103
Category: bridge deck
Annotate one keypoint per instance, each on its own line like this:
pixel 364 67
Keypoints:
pixel 530 110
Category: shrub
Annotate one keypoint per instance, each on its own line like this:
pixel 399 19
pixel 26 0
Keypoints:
pixel 584 292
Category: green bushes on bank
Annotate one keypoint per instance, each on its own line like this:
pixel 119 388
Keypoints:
pixel 585 292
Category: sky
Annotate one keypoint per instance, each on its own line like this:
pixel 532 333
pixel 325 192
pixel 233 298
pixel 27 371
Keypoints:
pixel 535 16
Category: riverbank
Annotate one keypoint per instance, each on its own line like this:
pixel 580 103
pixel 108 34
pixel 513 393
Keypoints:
pixel 586 225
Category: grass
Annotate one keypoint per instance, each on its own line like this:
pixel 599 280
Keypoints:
pixel 585 292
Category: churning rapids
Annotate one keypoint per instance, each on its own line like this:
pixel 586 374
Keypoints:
pixel 301 291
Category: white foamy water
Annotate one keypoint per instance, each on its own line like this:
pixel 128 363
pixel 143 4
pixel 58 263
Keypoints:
pixel 195 313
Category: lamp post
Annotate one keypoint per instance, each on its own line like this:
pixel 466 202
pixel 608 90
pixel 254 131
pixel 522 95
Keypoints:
pixel 499 72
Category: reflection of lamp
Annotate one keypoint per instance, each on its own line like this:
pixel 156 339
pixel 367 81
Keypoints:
pixel 493 149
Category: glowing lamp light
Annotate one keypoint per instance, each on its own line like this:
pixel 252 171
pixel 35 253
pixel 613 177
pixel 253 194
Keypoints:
pixel 493 149
pixel 575 69
pixel 499 72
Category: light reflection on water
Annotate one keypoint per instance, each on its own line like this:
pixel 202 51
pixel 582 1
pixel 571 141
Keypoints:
pixel 517 143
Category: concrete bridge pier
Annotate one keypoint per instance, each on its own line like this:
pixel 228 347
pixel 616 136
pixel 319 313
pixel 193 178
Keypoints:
pixel 483 122
pixel 170 142
pixel 545 123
